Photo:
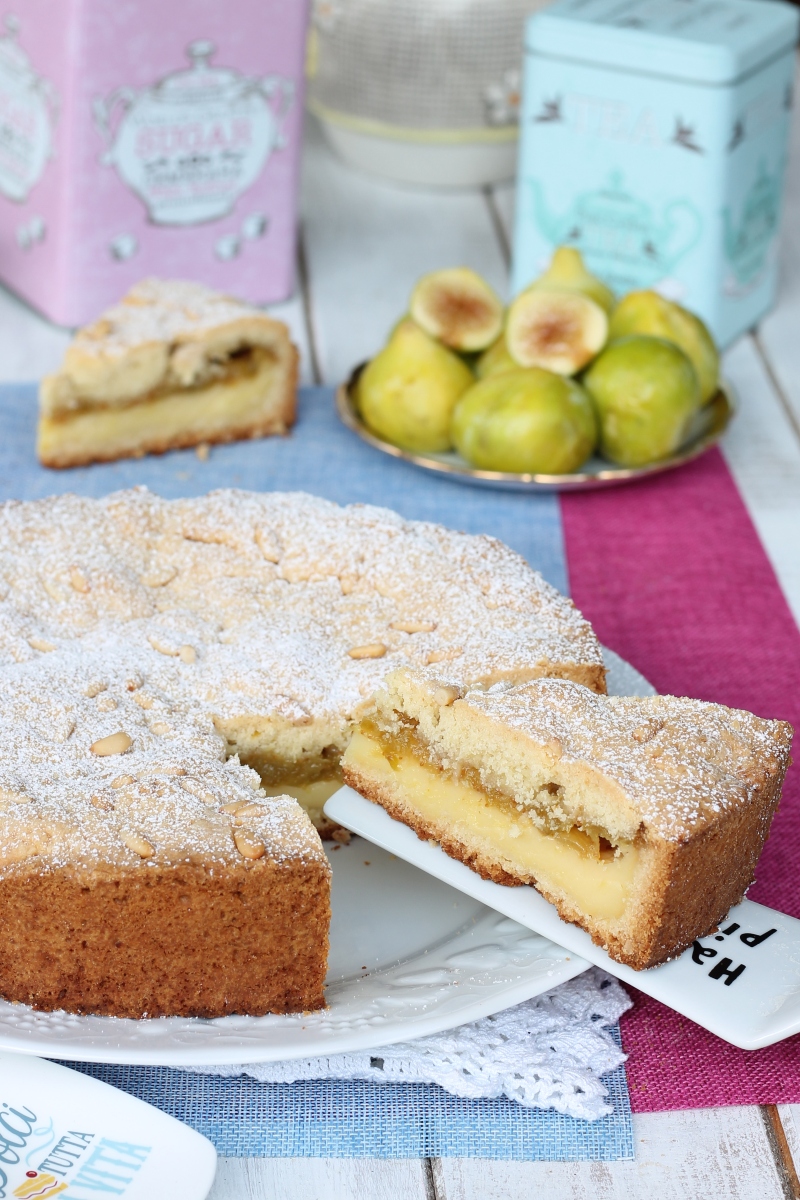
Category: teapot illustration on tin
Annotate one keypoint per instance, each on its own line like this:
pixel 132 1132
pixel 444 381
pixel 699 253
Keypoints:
pixel 28 113
pixel 747 244
pixel 192 143
pixel 620 237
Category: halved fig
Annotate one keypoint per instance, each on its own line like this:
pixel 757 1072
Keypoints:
pixel 560 331
pixel 457 307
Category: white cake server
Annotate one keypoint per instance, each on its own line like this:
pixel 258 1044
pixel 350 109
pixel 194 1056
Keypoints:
pixel 742 983
pixel 64 1132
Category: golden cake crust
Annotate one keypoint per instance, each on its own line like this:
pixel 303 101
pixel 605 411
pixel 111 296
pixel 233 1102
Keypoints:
pixel 140 872
pixel 676 764
pixel 179 941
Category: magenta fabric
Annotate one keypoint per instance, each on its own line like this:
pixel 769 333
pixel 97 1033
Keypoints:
pixel 673 576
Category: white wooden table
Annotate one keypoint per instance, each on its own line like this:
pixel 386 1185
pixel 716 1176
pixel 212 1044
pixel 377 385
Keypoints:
pixel 363 246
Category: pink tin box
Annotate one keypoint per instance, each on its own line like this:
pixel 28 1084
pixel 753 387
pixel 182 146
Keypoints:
pixel 148 137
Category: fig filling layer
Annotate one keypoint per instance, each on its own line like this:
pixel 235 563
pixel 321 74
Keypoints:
pixel 581 865
pixel 242 364
pixel 310 796
pixel 213 410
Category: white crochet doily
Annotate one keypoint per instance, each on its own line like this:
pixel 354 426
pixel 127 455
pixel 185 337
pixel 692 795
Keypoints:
pixel 549 1052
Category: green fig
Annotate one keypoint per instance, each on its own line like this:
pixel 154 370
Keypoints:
pixel 559 330
pixel 568 272
pixel 526 421
pixel 458 308
pixel 406 395
pixel 495 360
pixel 649 313
pixel 646 392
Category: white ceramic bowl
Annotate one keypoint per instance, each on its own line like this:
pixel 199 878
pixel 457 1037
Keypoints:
pixel 420 91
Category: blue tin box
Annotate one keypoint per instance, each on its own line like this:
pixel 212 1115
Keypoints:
pixel 654 137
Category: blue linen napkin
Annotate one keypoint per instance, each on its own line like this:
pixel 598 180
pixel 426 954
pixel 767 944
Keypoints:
pixel 353 1119
pixel 327 1118
pixel 319 456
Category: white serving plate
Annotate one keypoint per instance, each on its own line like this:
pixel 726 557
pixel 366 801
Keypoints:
pixel 410 955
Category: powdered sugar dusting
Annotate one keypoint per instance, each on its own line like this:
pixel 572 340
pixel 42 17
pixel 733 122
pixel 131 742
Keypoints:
pixel 193 625
pixel 680 762
pixel 64 800
pixel 162 310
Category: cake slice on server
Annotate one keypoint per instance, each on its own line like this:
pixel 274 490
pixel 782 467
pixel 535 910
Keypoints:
pixel 174 364
pixel 640 819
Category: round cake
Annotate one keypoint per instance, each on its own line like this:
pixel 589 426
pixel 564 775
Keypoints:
pixel 171 670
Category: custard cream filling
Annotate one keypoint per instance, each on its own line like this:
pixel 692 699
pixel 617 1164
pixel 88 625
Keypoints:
pixel 206 412
pixel 580 866
pixel 310 796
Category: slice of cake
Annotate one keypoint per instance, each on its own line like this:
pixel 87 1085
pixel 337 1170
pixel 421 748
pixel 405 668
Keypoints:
pixel 140 873
pixel 641 819
pixel 174 364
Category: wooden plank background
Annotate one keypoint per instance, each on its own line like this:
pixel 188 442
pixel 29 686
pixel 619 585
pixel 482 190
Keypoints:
pixel 363 245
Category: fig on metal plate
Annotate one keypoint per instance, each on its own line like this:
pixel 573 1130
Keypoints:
pixel 649 313
pixel 646 392
pixel 525 421
pixel 559 330
pixel 407 393
pixel 495 359
pixel 459 308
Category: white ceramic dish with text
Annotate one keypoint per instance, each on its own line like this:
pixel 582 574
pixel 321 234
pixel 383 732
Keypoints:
pixel 64 1133
pixel 742 982
pixel 409 956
